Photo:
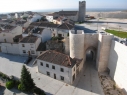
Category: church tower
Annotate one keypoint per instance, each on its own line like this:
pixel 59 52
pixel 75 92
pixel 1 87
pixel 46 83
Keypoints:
pixel 82 11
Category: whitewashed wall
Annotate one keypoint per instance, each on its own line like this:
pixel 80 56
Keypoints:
pixel 10 48
pixel 10 35
pixel 46 35
pixel 118 64
pixel 35 17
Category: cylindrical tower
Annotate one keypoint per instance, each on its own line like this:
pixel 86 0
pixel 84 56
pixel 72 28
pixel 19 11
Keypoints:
pixel 76 44
pixel 82 11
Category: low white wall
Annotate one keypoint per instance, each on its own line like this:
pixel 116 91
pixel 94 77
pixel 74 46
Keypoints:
pixel 10 48
pixel 118 64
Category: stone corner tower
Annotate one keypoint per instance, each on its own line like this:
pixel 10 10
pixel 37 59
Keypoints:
pixel 82 11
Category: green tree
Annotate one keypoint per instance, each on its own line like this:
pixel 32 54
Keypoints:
pixel 26 82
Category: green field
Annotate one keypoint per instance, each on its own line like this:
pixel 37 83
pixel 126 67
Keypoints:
pixel 117 33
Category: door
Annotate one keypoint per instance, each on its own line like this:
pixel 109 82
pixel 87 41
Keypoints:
pixel 59 35
pixel 29 53
pixel 73 77
pixel 5 40
pixel 54 76
pixel 0 49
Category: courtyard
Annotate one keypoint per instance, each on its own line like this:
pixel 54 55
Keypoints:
pixel 88 82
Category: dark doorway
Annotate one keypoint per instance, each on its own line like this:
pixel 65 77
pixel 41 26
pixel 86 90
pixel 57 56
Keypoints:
pixel 89 55
pixel 0 49
pixel 59 35
pixel 54 76
pixel 29 53
pixel 73 77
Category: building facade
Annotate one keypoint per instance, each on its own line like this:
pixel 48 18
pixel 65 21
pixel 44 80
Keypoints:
pixel 58 66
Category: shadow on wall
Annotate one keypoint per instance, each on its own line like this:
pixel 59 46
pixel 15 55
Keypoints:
pixel 86 30
pixel 113 58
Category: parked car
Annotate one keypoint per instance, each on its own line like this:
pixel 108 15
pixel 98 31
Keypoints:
pixel 28 60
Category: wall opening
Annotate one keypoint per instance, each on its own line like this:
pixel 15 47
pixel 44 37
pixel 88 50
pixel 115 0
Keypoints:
pixel 90 56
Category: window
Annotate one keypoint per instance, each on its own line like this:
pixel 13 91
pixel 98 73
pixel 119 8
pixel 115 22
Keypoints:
pixel 5 40
pixel 62 78
pixel 61 69
pixel 23 45
pixel 32 51
pixel 53 67
pixel 24 51
pixel 47 65
pixel 48 73
pixel 41 63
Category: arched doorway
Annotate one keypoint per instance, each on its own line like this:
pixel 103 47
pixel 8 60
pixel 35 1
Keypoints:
pixel 90 56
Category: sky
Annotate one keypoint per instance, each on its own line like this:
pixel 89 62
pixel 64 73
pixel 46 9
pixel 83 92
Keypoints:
pixel 25 5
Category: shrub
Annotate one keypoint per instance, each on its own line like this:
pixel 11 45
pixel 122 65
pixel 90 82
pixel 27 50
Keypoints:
pixel 38 91
pixel 9 84
pixel 19 87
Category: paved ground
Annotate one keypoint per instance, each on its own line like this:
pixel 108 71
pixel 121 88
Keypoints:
pixel 86 85
pixel 91 27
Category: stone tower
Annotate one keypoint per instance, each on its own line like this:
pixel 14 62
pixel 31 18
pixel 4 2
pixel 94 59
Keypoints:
pixel 82 11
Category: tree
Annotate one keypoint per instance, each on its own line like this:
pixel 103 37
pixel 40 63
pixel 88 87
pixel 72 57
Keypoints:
pixel 26 82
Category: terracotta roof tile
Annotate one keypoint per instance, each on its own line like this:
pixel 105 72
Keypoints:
pixel 59 58
pixel 29 39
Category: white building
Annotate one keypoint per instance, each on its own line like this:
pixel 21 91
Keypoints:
pixel 43 33
pixel 58 66
pixel 63 30
pixel 7 33
pixel 28 45
pixel 49 17
pixel 35 17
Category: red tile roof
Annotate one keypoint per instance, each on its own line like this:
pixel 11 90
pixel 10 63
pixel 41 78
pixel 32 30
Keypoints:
pixel 59 58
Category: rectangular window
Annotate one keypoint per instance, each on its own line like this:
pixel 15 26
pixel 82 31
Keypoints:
pixel 47 65
pixel 24 51
pixel 41 63
pixel 48 73
pixel 61 69
pixel 32 51
pixel 53 67
pixel 23 45
pixel 62 78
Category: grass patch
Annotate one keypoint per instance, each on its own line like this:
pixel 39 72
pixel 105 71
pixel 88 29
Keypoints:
pixel 117 33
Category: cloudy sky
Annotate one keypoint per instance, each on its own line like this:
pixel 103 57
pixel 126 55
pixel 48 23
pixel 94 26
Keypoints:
pixel 24 5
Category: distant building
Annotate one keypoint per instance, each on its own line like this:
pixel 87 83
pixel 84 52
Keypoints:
pixel 58 66
pixel 43 33
pixel 8 32
pixel 82 11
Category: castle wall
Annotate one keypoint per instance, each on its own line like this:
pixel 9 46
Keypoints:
pixel 90 43
pixel 118 64
pixel 77 46
pixel 104 50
